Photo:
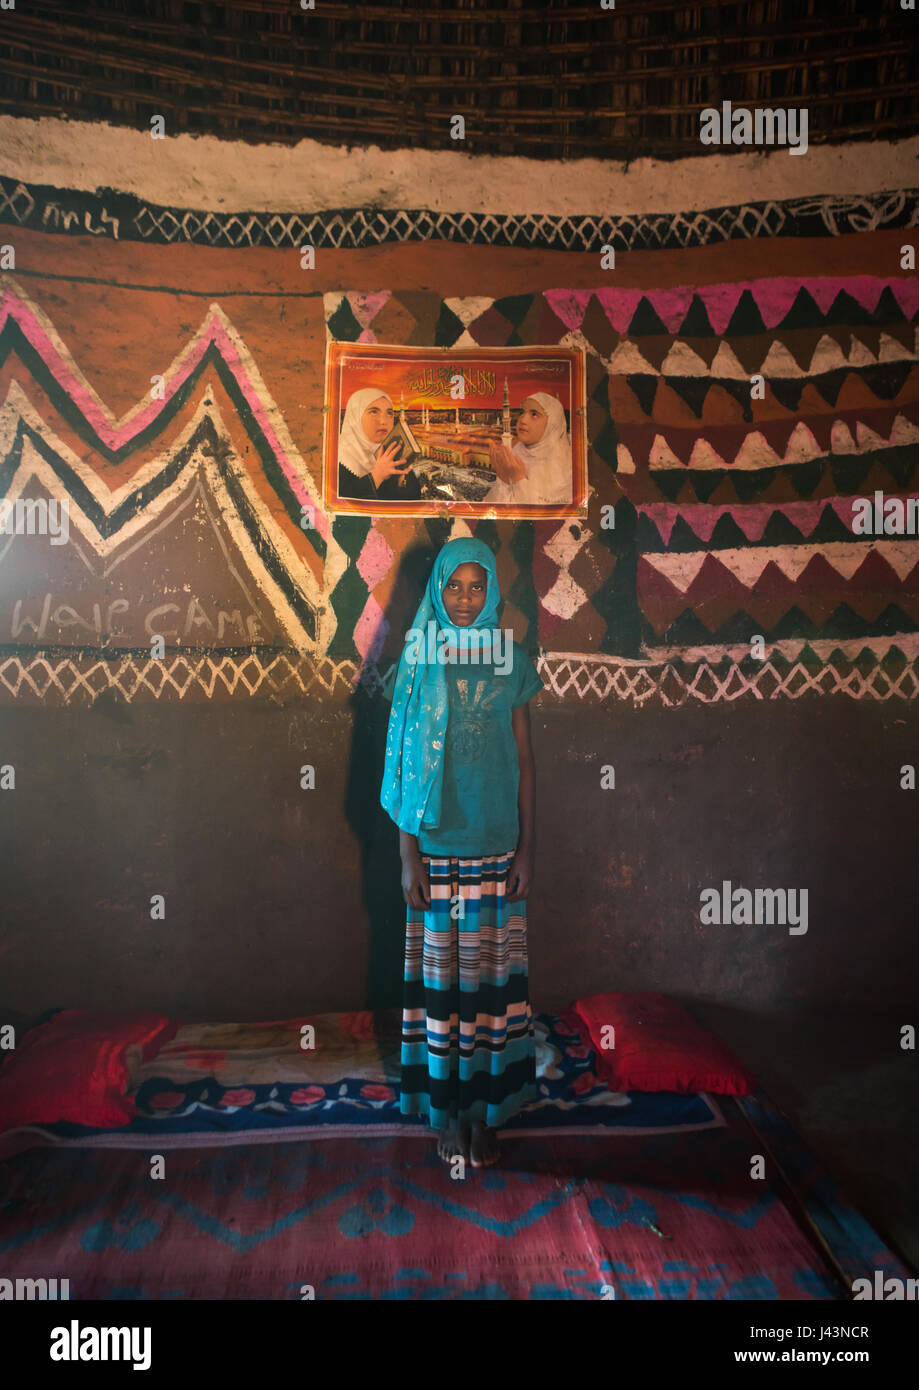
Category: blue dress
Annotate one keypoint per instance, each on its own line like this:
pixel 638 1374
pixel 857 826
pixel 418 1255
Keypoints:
pixel 468 1050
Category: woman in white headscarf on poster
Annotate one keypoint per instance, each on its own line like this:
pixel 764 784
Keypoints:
pixel 365 471
pixel 537 470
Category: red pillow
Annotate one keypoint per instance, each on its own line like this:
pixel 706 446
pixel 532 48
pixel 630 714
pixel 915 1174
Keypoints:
pixel 657 1046
pixel 75 1067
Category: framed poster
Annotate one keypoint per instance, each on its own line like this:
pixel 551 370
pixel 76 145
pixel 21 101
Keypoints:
pixel 462 431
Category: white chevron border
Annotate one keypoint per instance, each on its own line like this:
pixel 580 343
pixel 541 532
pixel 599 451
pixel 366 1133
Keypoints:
pixel 54 679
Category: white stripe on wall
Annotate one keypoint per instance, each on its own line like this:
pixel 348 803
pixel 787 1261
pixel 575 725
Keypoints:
pixel 210 174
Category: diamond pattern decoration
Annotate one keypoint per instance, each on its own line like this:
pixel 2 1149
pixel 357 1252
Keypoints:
pixel 80 681
pixel 580 585
pixel 139 220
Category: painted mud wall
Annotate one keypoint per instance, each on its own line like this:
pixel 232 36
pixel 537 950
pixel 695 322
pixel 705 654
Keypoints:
pixel 162 371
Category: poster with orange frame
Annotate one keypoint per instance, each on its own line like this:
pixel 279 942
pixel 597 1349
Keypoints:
pixel 458 431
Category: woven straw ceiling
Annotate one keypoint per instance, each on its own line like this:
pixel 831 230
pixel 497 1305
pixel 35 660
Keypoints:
pixel 557 81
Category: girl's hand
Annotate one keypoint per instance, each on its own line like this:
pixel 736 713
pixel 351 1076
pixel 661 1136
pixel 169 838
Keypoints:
pixel 388 463
pixel 416 889
pixel 509 467
pixel 519 876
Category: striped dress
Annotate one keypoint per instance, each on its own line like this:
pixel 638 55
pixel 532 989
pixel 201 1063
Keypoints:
pixel 468 1049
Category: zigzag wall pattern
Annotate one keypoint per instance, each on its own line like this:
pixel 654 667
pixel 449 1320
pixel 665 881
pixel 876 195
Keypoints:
pixel 681 455
pixel 121 216
pixel 733 515
pixel 60 678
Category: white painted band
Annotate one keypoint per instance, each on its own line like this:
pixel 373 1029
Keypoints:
pixel 206 173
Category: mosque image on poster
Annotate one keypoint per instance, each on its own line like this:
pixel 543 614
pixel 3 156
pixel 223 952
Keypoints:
pixel 475 432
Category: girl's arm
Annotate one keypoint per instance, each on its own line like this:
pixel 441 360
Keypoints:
pixel 520 875
pixel 415 886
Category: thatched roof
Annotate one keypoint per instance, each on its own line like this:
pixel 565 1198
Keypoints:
pixel 550 81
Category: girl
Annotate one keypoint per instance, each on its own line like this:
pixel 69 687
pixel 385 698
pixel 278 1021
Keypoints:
pixel 537 471
pixel 458 781
pixel 364 470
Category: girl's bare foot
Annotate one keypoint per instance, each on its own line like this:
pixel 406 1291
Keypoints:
pixel 483 1146
pixel 453 1142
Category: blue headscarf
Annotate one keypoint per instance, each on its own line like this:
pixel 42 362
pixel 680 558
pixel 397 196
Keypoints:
pixel 413 771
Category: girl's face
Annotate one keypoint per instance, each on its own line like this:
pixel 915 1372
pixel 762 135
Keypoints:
pixel 464 594
pixel 376 421
pixel 532 423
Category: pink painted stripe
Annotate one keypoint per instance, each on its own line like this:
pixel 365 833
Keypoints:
pixel 301 491
pixel 774 298
pixel 366 304
pixel 13 307
pixel 842 506
pixel 115 437
pixel 370 630
pixel 751 517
